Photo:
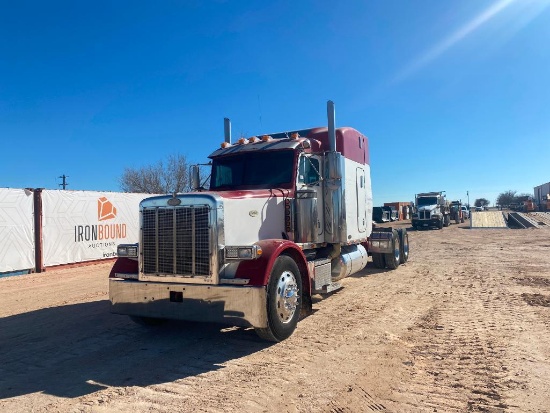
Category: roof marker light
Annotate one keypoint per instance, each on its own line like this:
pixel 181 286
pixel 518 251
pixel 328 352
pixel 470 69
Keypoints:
pixel 253 139
pixel 225 145
pixel 266 138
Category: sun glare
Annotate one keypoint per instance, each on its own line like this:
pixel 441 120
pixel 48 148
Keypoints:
pixel 527 10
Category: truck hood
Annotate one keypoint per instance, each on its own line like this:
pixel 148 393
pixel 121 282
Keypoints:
pixel 427 208
pixel 249 217
pixel 244 217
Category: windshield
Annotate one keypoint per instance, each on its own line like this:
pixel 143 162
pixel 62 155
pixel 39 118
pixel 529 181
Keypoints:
pixel 258 170
pixel 428 200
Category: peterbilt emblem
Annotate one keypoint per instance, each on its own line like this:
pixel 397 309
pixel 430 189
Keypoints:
pixel 174 201
pixel 253 213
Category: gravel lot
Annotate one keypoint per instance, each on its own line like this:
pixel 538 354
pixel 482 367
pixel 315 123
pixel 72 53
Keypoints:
pixel 463 326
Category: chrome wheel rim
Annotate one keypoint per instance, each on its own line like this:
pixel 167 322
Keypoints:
pixel 287 296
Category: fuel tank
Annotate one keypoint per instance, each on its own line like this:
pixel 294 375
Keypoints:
pixel 352 259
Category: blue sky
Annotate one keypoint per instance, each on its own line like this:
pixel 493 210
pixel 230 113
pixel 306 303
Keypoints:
pixel 454 95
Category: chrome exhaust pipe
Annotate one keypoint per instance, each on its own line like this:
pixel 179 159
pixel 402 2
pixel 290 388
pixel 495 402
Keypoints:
pixel 331 115
pixel 227 129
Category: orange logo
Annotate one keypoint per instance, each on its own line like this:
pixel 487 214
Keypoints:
pixel 105 210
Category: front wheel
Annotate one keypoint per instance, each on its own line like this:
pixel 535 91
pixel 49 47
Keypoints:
pixel 284 300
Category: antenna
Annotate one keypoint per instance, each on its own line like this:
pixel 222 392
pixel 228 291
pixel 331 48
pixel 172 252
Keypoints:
pixel 260 111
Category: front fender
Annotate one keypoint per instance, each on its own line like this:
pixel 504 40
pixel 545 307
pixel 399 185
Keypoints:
pixel 257 271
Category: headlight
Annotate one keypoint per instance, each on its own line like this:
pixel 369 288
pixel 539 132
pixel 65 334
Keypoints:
pixel 243 253
pixel 127 250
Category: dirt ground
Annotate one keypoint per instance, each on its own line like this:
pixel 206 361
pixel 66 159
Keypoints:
pixel 463 326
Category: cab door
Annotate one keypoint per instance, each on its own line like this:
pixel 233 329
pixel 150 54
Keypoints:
pixel 361 191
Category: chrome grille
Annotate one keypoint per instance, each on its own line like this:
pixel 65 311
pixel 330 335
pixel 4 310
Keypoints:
pixel 176 240
pixel 424 215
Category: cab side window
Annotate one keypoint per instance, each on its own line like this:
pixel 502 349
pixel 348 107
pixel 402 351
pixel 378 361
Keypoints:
pixel 309 170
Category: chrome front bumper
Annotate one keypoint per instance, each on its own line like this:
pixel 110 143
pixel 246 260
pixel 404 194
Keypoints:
pixel 239 306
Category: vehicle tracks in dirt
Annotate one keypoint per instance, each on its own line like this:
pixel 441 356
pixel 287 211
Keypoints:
pixel 450 331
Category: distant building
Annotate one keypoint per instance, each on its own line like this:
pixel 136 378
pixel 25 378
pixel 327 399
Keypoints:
pixel 541 193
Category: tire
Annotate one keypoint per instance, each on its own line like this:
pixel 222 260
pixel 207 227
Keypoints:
pixel 147 321
pixel 440 224
pixel 393 258
pixel 284 300
pixel 379 260
pixel 462 220
pixel 404 244
pixel 446 220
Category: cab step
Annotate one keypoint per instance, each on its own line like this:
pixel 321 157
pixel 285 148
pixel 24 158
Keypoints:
pixel 333 286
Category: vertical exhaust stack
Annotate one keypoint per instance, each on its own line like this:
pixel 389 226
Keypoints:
pixel 331 115
pixel 227 129
pixel 334 204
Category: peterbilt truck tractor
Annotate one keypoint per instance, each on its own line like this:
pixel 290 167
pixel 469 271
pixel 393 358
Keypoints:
pixel 286 216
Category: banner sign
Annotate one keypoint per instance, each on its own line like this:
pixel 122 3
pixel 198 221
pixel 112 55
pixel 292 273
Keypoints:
pixel 16 230
pixel 85 225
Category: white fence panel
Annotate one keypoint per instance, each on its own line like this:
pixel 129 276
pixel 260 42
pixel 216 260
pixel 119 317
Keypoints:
pixel 16 230
pixel 86 225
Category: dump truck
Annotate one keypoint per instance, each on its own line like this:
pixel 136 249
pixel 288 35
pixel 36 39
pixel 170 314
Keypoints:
pixel 431 211
pixel 286 216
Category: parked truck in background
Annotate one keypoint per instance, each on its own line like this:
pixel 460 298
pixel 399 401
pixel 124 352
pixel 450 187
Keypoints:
pixel 456 212
pixel 380 215
pixel 529 205
pixel 465 212
pixel 286 216
pixel 431 211
pixel 392 212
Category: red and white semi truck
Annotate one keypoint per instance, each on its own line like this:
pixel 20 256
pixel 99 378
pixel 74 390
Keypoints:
pixel 285 217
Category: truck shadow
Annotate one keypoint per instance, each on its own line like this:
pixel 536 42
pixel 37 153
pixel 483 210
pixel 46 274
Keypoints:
pixel 74 350
pixel 369 270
